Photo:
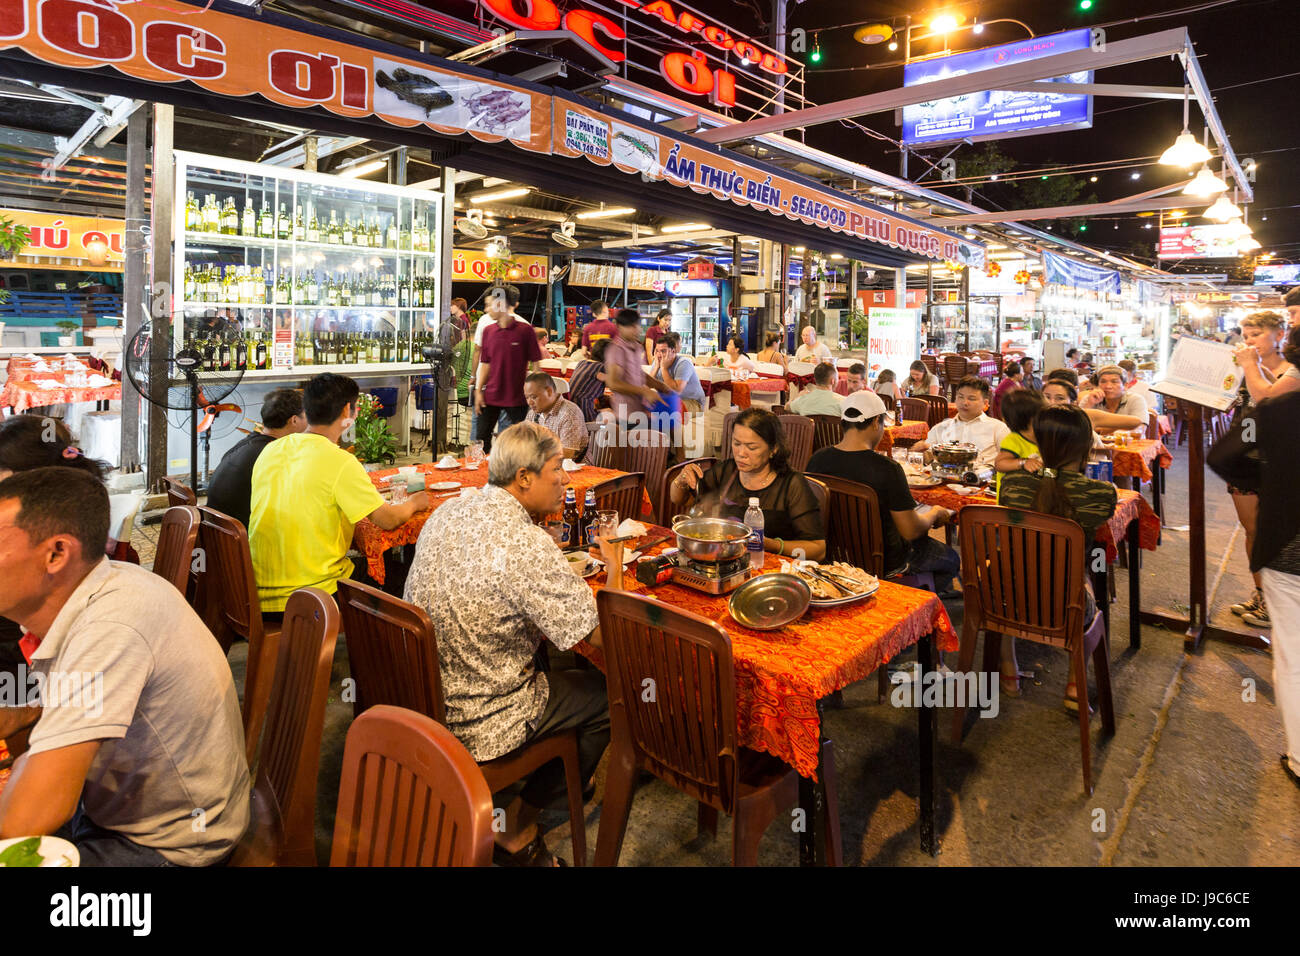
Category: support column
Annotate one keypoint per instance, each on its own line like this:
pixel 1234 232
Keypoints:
pixel 134 303
pixel 853 300
pixel 163 296
pixel 447 231
pixel 309 155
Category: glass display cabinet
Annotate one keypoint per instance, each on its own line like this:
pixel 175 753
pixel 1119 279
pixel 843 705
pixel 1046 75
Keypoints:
pixel 278 269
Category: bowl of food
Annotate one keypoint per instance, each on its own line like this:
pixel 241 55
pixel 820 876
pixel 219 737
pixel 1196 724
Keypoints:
pixel 579 562
pixel 954 453
pixel 711 539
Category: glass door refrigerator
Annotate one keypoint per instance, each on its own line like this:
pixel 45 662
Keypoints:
pixel 683 323
pixel 707 330
pixel 696 308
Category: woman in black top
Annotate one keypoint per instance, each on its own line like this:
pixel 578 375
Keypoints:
pixel 759 467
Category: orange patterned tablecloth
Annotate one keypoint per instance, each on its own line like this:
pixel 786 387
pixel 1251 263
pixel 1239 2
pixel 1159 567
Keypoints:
pixel 1130 505
pixel 23 395
pixel 373 541
pixel 741 391
pixel 1134 460
pixel 909 429
pixel 780 675
pixel 4 774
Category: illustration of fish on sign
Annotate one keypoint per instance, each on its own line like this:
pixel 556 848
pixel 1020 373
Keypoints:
pixel 414 88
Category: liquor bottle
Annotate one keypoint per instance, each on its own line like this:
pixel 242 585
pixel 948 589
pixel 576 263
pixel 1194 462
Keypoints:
pixel 248 223
pixel 299 227
pixel 331 294
pixel 333 234
pixel 372 348
pixel 589 526
pixel 229 218
pixel 390 234
pixel 572 537
pixel 266 222
pixel 193 218
pixel 262 354
pixel 345 293
pixel 223 355
pixel 283 225
pixel 210 354
pixel 239 358
pixel 312 290
pixel 404 293
pixel 313 228
pixel 210 214
pixel 347 235
pixel 405 237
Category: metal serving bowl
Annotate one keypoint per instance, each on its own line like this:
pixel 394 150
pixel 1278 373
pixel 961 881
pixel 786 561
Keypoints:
pixel 954 453
pixel 769 601
pixel 726 538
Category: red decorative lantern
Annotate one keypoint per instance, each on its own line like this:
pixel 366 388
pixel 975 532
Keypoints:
pixel 993 270
pixel 1022 277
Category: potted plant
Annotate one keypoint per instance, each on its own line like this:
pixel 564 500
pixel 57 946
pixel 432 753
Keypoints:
pixel 375 445
pixel 13 237
pixel 70 330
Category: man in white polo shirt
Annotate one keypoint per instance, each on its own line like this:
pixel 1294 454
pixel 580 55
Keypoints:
pixel 971 424
pixel 137 753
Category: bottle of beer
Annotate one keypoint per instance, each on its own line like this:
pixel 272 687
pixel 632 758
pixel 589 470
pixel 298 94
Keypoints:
pixel 589 527
pixel 571 520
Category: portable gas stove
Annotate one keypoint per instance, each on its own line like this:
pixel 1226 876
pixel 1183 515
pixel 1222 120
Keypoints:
pixel 712 577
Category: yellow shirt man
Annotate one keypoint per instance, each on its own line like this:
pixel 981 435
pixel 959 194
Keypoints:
pixel 307 495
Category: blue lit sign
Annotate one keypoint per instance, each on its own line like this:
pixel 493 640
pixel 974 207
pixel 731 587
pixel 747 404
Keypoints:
pixel 1277 275
pixel 995 114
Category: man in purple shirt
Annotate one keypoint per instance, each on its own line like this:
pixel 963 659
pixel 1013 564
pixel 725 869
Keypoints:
pixel 599 327
pixel 1011 375
pixel 625 371
pixel 509 351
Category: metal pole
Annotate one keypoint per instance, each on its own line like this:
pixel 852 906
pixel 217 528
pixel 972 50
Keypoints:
pixel 164 297
pixel 777 40
pixel 447 230
pixel 134 307
pixel 309 154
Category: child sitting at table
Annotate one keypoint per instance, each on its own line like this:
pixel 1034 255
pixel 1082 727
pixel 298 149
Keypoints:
pixel 1063 434
pixel 1018 451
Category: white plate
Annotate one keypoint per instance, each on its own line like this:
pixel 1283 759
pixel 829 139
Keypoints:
pixel 441 467
pixel 57 852
pixel 443 486
pixel 628 558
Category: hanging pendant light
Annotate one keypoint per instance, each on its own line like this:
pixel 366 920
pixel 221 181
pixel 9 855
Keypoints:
pixel 1249 244
pixel 1186 152
pixel 1204 184
pixel 1222 210
pixel 1237 229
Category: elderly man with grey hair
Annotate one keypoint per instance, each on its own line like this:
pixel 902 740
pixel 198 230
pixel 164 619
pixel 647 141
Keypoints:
pixel 495 585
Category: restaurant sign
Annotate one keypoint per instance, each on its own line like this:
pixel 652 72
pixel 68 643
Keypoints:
pixel 87 240
pixel 644 152
pixel 473 265
pixel 893 339
pixel 1198 242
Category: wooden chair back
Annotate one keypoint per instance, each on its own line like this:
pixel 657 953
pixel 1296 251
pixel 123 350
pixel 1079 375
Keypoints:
pixel 687 734
pixel 826 430
pixel 728 426
pixel 665 510
pixel 853 530
pixel 649 456
pixel 914 410
pixel 1022 574
pixel 954 370
pixel 937 411
pixel 410 795
pixel 888 401
pixel 623 494
pixel 226 598
pixel 392 651
pixel 178 493
pixel 931 364
pixel 295 718
pixel 799 430
pixel 602 445
pixel 176 541
pixel 822 494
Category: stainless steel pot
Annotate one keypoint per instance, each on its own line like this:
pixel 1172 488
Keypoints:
pixel 731 536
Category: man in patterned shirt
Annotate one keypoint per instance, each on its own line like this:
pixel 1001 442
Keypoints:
pixel 495 585
pixel 557 414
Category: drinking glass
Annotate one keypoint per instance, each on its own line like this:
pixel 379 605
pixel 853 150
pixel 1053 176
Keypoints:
pixel 606 524
pixel 474 455
pixel 916 459
pixel 397 485
pixel 899 455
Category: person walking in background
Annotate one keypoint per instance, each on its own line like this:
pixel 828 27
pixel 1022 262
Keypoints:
pixel 625 372
pixel 588 381
pixel 600 327
pixel 510 352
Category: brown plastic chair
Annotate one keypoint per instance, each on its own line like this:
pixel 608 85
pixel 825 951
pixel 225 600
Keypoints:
pixel 937 411
pixel 799 430
pixel 649 457
pixel 687 734
pixel 178 493
pixel 623 494
pixel 888 401
pixel 955 368
pixel 290 758
pixel 410 795
pixel 665 510
pixel 393 654
pixel 826 431
pixel 1022 576
pixel 915 410
pixel 227 601
pixel 601 448
pixel 176 541
pixel 931 364
pixel 1153 425
pixel 728 426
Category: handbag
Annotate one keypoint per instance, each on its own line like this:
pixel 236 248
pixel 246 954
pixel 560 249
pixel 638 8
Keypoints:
pixel 1235 460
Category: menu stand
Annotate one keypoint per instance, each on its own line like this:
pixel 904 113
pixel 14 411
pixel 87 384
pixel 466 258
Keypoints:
pixel 1195 624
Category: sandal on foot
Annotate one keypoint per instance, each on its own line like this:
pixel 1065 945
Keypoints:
pixel 534 854
pixel 1010 684
pixel 1072 700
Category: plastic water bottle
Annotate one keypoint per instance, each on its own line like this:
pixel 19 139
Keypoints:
pixel 754 518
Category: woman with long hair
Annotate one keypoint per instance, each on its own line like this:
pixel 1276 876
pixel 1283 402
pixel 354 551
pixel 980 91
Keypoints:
pixel 759 467
pixel 772 352
pixel 735 359
pixel 920 380
pixel 1063 434
pixel 588 381
pixel 1268 372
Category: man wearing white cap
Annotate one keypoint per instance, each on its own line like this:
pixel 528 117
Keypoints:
pixel 908 547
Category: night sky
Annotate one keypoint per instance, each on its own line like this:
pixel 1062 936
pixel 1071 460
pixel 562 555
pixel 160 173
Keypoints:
pixel 1239 42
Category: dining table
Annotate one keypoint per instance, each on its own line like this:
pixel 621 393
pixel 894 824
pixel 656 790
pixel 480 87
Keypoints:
pixel 784 676
pixel 1144 459
pixel 910 428
pixel 742 390
pixel 5 768
pixel 1134 523
pixel 55 381
pixel 372 540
